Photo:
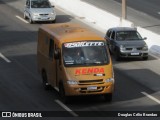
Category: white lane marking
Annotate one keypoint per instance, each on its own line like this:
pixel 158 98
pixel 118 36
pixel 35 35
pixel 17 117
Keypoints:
pixel 151 97
pixel 66 108
pixel 21 19
pixel 4 58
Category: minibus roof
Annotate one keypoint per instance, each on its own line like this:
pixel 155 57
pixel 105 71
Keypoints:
pixel 69 32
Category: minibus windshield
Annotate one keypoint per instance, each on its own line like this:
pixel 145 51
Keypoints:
pixel 85 53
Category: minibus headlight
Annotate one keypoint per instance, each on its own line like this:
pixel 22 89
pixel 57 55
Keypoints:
pixel 110 80
pixel 72 82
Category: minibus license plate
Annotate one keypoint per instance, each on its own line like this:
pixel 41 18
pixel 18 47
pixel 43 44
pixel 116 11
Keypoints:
pixel 92 88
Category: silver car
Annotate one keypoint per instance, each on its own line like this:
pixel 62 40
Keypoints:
pixel 125 42
pixel 39 10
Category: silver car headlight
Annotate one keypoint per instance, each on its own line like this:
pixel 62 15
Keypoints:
pixel 145 48
pixel 35 14
pixel 52 13
pixel 122 47
pixel 72 82
pixel 110 80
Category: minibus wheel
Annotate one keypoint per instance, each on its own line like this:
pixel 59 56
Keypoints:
pixel 45 81
pixel 64 98
pixel 108 97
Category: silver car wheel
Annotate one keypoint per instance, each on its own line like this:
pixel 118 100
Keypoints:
pixel 30 20
pixel 25 17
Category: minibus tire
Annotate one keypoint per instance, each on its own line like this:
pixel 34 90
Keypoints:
pixel 45 81
pixel 64 98
pixel 108 97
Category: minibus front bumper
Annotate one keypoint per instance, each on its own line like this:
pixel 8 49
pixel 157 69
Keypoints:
pixel 77 90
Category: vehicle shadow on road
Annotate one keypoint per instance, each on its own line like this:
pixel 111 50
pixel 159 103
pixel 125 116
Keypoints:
pixel 7 1
pixel 64 18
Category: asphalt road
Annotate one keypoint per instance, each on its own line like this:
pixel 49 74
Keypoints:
pixel 20 84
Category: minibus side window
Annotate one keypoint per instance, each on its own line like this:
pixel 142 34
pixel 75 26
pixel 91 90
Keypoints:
pixel 58 50
pixel 51 48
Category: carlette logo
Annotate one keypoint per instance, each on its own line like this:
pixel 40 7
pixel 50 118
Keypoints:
pixel 86 71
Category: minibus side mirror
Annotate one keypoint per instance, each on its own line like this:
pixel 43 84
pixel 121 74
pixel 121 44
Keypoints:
pixel 57 54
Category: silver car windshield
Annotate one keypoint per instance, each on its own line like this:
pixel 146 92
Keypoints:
pixel 128 35
pixel 85 53
pixel 40 4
